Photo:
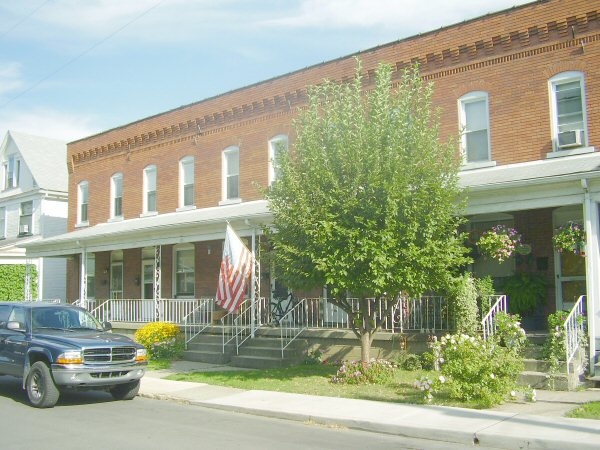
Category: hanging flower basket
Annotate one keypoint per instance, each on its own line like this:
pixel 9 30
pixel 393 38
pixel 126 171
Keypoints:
pixel 570 238
pixel 499 243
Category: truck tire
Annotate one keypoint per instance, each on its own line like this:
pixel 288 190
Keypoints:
pixel 41 390
pixel 125 391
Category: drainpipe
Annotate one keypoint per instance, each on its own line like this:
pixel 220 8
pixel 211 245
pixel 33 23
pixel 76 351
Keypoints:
pixel 590 214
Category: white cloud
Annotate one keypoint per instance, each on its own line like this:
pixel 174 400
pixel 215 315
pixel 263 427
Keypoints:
pixel 47 122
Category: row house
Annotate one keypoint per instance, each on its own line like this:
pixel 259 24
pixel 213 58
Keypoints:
pixel 33 206
pixel 149 201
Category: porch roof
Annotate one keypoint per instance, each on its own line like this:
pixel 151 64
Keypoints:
pixel 193 225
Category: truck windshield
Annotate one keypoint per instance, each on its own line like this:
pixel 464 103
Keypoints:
pixel 63 319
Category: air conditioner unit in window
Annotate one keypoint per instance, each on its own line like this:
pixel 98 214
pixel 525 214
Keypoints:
pixel 24 229
pixel 568 139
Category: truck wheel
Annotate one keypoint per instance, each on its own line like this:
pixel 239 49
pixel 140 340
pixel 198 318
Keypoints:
pixel 125 391
pixel 41 390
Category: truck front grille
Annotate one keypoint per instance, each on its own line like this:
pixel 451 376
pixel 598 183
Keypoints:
pixel 108 355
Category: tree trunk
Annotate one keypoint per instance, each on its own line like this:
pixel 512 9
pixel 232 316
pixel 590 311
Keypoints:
pixel 365 347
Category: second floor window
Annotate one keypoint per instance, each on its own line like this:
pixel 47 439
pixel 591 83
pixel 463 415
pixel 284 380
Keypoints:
pixel 277 146
pixel 25 220
pixel 82 202
pixel 186 183
pixel 12 169
pixel 231 173
pixel 567 99
pixel 116 196
pixel 150 189
pixel 474 123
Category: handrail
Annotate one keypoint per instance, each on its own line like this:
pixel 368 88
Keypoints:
pixel 230 324
pixel 574 328
pixel 198 320
pixel 488 324
pixel 292 324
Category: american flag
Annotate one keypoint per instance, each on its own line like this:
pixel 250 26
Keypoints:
pixel 236 267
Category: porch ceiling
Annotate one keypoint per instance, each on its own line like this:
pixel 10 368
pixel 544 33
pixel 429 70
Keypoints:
pixel 172 228
pixel 538 184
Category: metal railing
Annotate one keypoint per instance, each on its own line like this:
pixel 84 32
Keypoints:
pixel 200 318
pixel 574 327
pixel 426 314
pixel 292 324
pixel 144 310
pixel 488 323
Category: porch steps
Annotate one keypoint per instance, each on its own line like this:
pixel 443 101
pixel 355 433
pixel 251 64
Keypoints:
pixel 208 348
pixel 264 352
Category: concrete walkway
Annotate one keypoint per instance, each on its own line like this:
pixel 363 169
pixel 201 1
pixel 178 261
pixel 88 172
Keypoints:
pixel 514 425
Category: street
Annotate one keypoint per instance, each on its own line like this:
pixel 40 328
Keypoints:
pixel 92 420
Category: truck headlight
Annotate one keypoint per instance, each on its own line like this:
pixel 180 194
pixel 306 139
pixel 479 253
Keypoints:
pixel 141 355
pixel 70 357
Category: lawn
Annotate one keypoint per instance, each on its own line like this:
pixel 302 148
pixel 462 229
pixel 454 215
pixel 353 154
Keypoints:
pixel 589 410
pixel 315 379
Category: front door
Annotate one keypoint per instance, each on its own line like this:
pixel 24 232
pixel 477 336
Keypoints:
pixel 570 279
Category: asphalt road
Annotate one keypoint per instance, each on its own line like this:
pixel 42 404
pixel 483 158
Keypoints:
pixel 92 420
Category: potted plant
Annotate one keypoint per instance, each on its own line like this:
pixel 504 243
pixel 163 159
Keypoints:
pixel 499 243
pixel 525 292
pixel 570 238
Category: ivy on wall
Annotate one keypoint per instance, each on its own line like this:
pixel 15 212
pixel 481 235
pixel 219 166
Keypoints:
pixel 12 281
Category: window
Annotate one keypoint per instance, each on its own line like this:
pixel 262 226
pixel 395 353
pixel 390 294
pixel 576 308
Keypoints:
pixel 82 202
pixel 184 271
pixel 116 274
pixel 277 146
pixel 91 275
pixel 567 104
pixel 231 173
pixel 474 123
pixel 150 189
pixel 12 168
pixel 2 222
pixel 25 221
pixel 116 196
pixel 186 182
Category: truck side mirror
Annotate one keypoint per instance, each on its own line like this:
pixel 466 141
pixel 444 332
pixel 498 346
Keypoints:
pixel 107 326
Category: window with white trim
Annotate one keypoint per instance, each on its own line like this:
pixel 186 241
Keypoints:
pixel 475 127
pixel 184 271
pixel 2 222
pixel 82 202
pixel 116 196
pixel 567 107
pixel 11 169
pixel 277 146
pixel 231 173
pixel 91 275
pixel 150 189
pixel 186 182
pixel 25 219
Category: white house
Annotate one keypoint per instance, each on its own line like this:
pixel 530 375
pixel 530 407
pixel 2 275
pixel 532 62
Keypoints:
pixel 33 205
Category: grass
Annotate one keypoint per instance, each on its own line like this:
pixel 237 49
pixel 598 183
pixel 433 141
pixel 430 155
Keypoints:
pixel 314 379
pixel 589 410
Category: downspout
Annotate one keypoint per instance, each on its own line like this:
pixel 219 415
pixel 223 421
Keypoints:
pixel 590 217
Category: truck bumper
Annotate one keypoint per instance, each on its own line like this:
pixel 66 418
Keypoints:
pixel 97 376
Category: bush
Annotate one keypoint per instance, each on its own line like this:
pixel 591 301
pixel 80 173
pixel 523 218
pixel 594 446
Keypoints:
pixel 410 361
pixel 465 310
pixel 355 372
pixel 509 332
pixel 163 340
pixel 475 369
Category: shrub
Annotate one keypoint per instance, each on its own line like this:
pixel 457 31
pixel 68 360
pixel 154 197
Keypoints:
pixel 163 340
pixel 355 372
pixel 475 369
pixel 465 310
pixel 410 361
pixel 509 333
pixel 314 357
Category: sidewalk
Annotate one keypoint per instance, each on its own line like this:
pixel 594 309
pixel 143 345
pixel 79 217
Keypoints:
pixel 514 425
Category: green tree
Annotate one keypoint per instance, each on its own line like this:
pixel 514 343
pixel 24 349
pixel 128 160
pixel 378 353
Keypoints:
pixel 367 198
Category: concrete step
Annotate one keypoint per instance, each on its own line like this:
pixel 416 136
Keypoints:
pixel 540 365
pixel 207 357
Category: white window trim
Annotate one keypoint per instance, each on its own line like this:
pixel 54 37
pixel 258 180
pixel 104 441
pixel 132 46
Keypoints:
pixel 113 179
pixel 80 222
pixel 147 170
pixel 472 97
pixel 561 78
pixel 183 162
pixel 224 176
pixel 272 144
pixel 178 248
pixel 3 219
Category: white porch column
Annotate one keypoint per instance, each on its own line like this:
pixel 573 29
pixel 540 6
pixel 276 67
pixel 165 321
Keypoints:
pixel 253 287
pixel 592 269
pixel 83 281
pixel 27 293
pixel 157 281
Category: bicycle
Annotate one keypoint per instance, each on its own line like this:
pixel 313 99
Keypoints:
pixel 280 307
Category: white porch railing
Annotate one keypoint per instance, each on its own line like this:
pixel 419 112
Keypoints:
pixel 198 319
pixel 488 323
pixel 144 310
pixel 574 327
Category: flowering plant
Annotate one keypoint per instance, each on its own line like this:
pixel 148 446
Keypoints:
pixel 500 242
pixel 376 371
pixel 508 331
pixel 569 238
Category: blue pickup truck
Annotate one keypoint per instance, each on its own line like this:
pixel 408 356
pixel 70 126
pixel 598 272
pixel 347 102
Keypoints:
pixel 54 347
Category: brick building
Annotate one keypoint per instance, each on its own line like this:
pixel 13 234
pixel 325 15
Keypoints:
pixel 522 84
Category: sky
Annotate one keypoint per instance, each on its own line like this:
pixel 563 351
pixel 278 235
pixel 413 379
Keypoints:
pixel 73 68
